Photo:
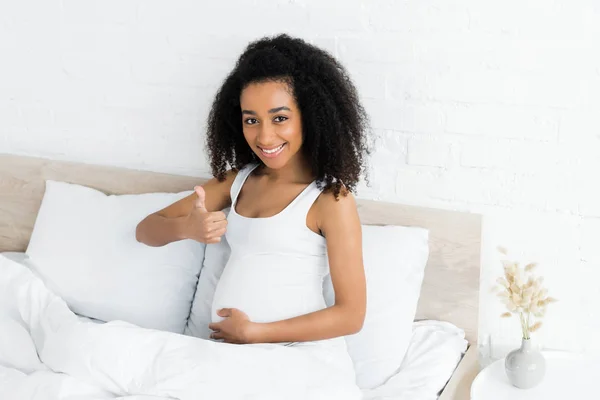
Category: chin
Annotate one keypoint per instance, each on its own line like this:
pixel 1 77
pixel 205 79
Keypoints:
pixel 277 163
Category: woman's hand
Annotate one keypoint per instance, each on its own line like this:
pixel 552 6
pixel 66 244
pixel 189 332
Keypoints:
pixel 236 327
pixel 204 226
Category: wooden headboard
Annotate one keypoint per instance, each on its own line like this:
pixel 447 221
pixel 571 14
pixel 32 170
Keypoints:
pixel 450 289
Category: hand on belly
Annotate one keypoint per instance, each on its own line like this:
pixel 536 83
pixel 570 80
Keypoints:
pixel 235 327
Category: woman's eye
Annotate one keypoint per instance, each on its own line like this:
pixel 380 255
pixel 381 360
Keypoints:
pixel 280 118
pixel 250 121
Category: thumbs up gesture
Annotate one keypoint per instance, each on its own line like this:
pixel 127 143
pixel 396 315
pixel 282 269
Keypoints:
pixel 202 225
pixel 200 203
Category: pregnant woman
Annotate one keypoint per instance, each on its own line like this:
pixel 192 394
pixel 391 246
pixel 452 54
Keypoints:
pixel 286 141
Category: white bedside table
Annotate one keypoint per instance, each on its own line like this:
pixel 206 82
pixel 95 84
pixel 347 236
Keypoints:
pixel 568 376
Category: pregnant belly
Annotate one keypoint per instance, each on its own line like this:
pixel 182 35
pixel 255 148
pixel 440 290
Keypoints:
pixel 268 288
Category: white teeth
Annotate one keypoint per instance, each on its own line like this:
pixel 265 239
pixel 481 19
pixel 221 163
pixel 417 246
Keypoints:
pixel 273 150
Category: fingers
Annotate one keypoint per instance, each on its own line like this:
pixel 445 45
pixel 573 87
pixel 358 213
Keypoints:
pixel 214 231
pixel 216 216
pixel 207 227
pixel 201 200
pixel 215 236
pixel 216 328
pixel 217 335
pixel 211 226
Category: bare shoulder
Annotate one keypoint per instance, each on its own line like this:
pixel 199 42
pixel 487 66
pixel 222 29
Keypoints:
pixel 340 211
pixel 227 181
pixel 345 202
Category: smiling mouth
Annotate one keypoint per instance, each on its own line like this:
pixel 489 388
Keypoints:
pixel 273 151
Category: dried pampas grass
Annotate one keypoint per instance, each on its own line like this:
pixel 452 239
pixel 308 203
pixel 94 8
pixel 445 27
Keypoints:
pixel 522 294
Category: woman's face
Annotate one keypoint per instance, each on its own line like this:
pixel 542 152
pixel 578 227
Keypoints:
pixel 271 122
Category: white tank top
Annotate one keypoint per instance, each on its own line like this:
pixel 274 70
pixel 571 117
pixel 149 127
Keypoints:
pixel 277 263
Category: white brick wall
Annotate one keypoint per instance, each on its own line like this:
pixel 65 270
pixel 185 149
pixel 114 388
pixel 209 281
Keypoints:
pixel 428 153
pixel 479 106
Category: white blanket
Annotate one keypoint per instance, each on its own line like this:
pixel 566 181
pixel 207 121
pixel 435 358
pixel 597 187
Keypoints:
pixel 48 353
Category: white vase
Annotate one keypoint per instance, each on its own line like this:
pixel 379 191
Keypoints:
pixel 525 367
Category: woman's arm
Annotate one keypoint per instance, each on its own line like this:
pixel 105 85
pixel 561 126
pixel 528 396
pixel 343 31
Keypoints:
pixel 340 224
pixel 189 218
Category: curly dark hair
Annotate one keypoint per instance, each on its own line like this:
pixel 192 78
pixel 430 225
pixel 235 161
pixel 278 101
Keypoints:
pixel 334 123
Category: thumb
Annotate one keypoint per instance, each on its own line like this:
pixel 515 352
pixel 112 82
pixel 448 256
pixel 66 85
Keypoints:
pixel 201 200
pixel 224 312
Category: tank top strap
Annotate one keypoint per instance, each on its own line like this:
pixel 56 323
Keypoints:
pixel 302 204
pixel 239 181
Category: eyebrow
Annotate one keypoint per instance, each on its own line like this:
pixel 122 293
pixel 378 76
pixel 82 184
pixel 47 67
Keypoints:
pixel 271 111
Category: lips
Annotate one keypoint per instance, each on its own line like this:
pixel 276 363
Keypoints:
pixel 271 152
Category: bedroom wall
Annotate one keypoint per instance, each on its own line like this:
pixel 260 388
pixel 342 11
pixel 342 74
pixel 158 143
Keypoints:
pixel 489 107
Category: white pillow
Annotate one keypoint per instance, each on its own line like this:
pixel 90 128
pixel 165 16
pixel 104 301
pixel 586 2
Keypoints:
pixel 394 258
pixel 434 352
pixel 83 246
pixel 215 258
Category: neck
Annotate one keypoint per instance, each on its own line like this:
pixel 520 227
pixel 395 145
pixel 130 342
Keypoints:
pixel 297 169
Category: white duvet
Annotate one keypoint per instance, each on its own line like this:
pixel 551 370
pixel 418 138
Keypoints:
pixel 47 352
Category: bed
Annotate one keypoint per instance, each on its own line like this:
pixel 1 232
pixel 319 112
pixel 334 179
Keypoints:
pixel 450 290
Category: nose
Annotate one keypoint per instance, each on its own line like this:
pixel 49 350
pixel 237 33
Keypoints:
pixel 266 135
